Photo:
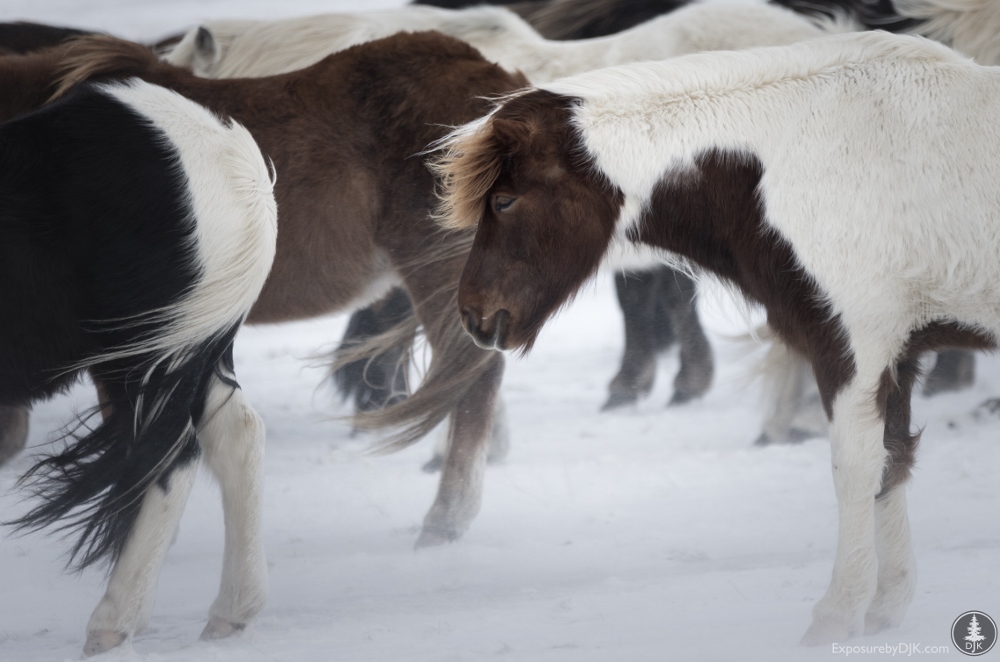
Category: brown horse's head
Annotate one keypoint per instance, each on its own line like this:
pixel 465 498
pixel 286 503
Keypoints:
pixel 545 216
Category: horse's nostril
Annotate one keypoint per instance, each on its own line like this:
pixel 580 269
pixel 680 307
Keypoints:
pixel 470 319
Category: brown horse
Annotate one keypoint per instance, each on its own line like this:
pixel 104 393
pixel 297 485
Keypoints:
pixel 355 201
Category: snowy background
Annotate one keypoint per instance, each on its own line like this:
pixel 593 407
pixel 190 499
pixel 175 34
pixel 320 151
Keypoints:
pixel 648 534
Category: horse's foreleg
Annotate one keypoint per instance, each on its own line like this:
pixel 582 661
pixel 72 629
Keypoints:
pixel 637 292
pixel 679 299
pixel 232 438
pixel 954 370
pixel 499 445
pixel 13 431
pixel 460 491
pixel 127 604
pixel 858 458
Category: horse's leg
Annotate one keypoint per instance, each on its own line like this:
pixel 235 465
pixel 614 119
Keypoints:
pixel 500 434
pixel 232 438
pixel 896 564
pixel 858 458
pixel 13 431
pixel 471 426
pixel 787 376
pixel 637 292
pixel 127 604
pixel 460 491
pixel 499 445
pixel 678 295
pixel 954 370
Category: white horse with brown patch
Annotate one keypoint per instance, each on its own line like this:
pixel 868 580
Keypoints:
pixel 846 184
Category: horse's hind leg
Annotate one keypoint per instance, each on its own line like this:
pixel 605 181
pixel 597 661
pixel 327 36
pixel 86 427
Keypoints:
pixel 232 438
pixel 896 564
pixel 460 491
pixel 637 292
pixel 13 431
pixel 127 604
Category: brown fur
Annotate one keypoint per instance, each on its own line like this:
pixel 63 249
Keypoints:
pixel 354 200
pixel 27 81
pixel 531 157
pixel 893 397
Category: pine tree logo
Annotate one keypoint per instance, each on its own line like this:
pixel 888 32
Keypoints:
pixel 974 633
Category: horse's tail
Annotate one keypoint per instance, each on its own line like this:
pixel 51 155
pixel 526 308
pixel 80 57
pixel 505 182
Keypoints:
pixel 371 364
pixel 585 19
pixel 155 367
pixel 456 363
pixel 101 56
pixel 878 15
pixel 968 26
pixel 95 486
pixel 455 366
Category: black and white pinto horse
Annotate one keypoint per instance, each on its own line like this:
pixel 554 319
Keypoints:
pixel 847 184
pixel 136 230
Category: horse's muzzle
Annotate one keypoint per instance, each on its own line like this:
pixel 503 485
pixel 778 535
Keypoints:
pixel 488 333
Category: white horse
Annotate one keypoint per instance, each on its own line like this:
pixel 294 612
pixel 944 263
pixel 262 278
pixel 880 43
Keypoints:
pixel 231 49
pixel 846 184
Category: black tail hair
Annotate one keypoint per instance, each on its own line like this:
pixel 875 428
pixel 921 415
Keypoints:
pixel 872 14
pixel 98 482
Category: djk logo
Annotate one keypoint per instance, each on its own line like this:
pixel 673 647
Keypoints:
pixel 974 633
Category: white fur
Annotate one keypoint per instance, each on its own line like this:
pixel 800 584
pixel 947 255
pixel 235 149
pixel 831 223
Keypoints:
pixel 232 208
pixel 232 438
pixel 267 48
pixel 880 169
pixel 969 26
pixel 127 604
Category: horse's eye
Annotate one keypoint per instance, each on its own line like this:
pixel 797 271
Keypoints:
pixel 502 203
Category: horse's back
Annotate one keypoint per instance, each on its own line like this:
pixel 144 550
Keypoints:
pixel 103 230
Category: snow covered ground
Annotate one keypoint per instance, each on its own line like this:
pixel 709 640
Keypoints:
pixel 649 534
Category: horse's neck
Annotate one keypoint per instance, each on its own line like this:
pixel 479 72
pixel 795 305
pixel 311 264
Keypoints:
pixel 27 81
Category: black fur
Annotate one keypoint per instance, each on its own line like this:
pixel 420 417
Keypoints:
pixel 872 14
pixel 381 381
pixel 95 225
pixel 458 4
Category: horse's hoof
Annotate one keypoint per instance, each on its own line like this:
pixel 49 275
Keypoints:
pixel 875 624
pixel 763 440
pixel 680 398
pixel 101 641
pixel 824 632
pixel 619 400
pixel 220 628
pixel 435 537
pixel 433 465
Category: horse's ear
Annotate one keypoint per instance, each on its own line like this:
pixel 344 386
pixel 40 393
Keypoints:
pixel 206 49
pixel 510 134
